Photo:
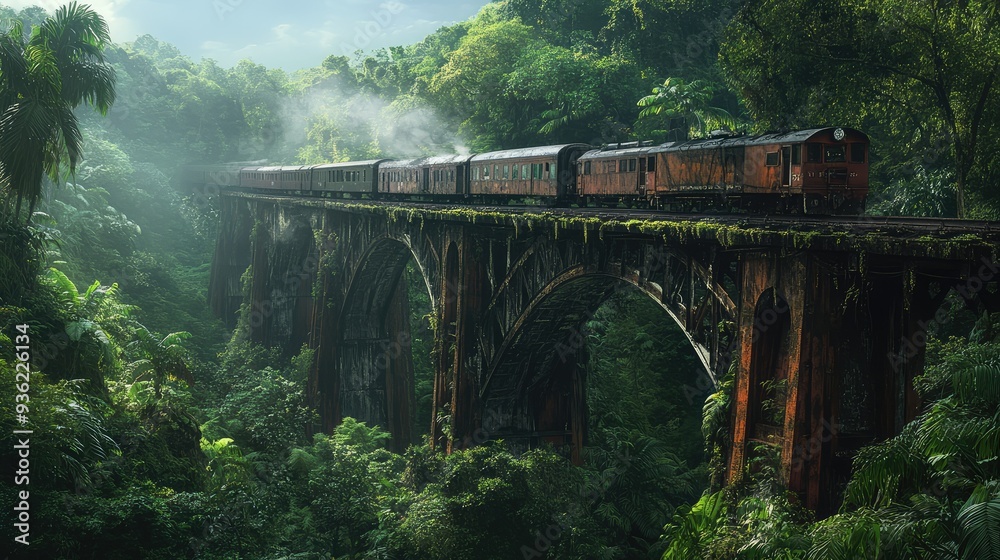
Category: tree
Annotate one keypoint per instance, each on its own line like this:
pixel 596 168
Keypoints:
pixel 690 101
pixel 911 70
pixel 159 359
pixel 42 79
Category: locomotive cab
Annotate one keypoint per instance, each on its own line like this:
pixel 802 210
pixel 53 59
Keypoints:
pixel 832 173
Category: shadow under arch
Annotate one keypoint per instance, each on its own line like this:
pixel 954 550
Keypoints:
pixel 534 391
pixel 374 375
pixel 770 352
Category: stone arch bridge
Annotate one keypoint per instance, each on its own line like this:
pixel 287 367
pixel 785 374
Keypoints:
pixel 823 323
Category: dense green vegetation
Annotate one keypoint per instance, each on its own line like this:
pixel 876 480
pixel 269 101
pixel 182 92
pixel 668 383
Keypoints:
pixel 159 437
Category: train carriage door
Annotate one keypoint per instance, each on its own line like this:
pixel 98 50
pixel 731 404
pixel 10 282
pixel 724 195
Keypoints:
pixel 786 166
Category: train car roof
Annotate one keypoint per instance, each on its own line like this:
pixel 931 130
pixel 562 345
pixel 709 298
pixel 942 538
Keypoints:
pixel 278 168
pixel 429 160
pixel 791 137
pixel 538 151
pixel 342 164
pixel 615 153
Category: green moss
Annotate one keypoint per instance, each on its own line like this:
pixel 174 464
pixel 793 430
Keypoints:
pixel 726 234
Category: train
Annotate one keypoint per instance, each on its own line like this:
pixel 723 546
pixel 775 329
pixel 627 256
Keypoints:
pixel 821 171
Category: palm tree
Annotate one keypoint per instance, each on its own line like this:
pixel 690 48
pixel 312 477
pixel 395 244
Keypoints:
pixel 159 359
pixel 43 78
pixel 687 100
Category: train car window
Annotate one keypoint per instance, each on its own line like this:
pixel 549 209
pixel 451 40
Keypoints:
pixel 364 174
pixel 451 176
pixel 834 153
pixel 651 164
pixel 586 168
pixel 506 172
pixel 857 152
pixel 475 173
pixel 622 166
pixel 552 174
pixel 631 165
pixel 814 152
pixel 546 172
pixel 524 171
pixel 513 173
pixel 797 154
pixel 772 158
pixel 496 172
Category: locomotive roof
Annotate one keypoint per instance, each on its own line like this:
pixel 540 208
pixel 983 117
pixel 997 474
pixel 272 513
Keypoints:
pixel 538 151
pixel 430 160
pixel 791 137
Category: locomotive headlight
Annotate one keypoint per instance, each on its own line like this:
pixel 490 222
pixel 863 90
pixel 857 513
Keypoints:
pixel 838 134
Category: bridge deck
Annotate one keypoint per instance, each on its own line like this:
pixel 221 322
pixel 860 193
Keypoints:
pixel 945 238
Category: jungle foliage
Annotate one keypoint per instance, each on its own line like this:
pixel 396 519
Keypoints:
pixel 159 436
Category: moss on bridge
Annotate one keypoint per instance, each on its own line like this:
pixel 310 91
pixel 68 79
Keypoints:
pixel 732 232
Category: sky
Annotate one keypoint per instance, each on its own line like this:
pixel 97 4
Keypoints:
pixel 289 34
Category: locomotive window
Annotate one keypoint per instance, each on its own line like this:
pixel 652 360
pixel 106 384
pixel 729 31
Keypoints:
pixel 586 168
pixel 834 153
pixel 772 158
pixel 797 154
pixel 814 152
pixel 857 152
pixel 651 164
pixel 631 165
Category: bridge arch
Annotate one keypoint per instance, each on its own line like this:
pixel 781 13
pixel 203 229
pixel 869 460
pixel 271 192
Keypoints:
pixel 533 388
pixel 373 365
